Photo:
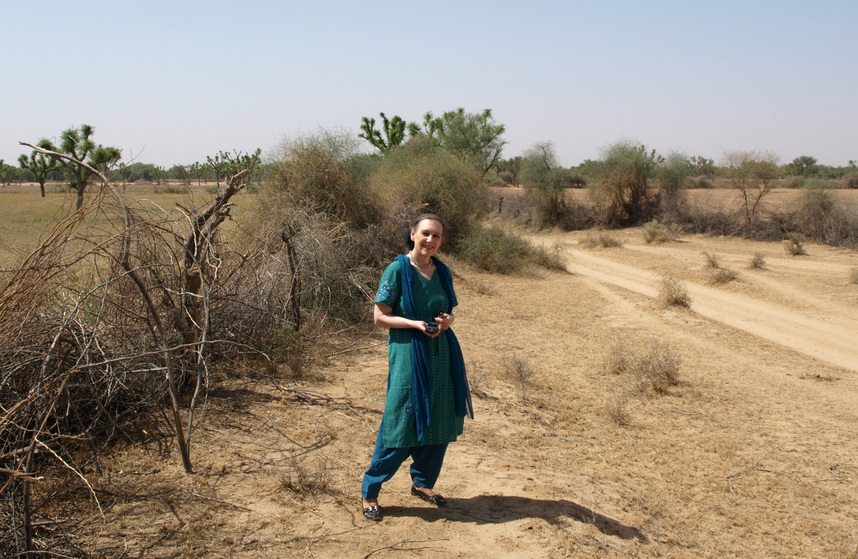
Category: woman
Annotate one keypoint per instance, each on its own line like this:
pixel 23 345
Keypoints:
pixel 427 390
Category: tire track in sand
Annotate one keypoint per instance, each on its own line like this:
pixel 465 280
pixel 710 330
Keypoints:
pixel 834 339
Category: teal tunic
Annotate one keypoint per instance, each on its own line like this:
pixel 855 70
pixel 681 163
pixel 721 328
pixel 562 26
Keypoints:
pixel 398 421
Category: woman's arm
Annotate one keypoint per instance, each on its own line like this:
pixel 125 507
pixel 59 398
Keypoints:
pixel 383 316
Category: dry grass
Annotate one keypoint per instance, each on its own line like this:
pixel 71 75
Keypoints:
pixel 794 245
pixel 672 292
pixel 737 460
pixel 601 239
pixel 757 261
pixel 657 233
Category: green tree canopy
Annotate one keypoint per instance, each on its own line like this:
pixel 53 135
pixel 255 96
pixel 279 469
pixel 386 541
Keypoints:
pixel 394 132
pixel 77 144
pixel 40 164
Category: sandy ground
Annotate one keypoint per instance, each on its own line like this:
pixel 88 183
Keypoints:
pixel 752 454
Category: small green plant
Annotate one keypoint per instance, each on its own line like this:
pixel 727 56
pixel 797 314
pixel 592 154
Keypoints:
pixel 757 261
pixel 672 292
pixel 657 233
pixel 793 245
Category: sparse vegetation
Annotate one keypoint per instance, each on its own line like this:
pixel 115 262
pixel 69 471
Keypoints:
pixel 521 373
pixel 657 233
pixel 757 261
pixel 672 292
pixel 853 275
pixel 794 245
pixel 600 239
pixel 720 275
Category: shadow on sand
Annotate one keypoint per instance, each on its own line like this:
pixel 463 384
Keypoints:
pixel 497 509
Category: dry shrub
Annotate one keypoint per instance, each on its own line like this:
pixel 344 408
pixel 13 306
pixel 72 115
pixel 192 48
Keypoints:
pixel 822 218
pixel 620 358
pixel 657 233
pixel 616 408
pixel 520 372
pixel 325 173
pixel 659 367
pixel 718 276
pixel 602 239
pixel 425 179
pixel 477 380
pixel 496 250
pixel 711 260
pixel 794 245
pixel 853 275
pixel 672 292
pixel 309 479
pixel 757 261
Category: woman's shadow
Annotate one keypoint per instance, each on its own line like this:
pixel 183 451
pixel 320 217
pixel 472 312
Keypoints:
pixel 497 509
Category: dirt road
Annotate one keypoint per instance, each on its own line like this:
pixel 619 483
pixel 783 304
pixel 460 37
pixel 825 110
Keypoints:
pixel 752 454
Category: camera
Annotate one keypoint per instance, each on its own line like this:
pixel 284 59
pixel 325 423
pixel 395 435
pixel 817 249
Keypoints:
pixel 431 327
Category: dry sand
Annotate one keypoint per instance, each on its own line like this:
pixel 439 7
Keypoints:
pixel 752 454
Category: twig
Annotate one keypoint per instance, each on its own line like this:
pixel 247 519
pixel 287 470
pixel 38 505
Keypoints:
pixel 747 471
pixel 217 500
pixel 395 548
pixel 67 465
pixel 354 349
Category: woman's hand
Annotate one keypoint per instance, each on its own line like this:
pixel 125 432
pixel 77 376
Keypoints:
pixel 424 327
pixel 444 320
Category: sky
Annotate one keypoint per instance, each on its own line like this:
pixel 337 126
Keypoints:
pixel 170 82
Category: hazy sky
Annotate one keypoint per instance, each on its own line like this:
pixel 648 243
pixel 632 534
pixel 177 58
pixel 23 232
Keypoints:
pixel 171 82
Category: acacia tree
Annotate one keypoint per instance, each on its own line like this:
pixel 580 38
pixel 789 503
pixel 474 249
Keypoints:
pixel 626 173
pixel 544 180
pixel 228 165
pixel 78 145
pixel 752 173
pixel 6 173
pixel 475 137
pixel 40 164
pixel 672 174
pixel 394 132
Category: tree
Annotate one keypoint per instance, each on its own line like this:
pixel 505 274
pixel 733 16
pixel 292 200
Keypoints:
pixel 475 137
pixel 78 145
pixel 672 174
pixel 394 132
pixel 7 173
pixel 509 169
pixel 751 172
pixel 544 180
pixel 702 166
pixel 802 166
pixel 40 164
pixel 626 174
pixel 228 165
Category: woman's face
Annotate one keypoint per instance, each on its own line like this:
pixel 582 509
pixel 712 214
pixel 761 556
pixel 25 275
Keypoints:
pixel 427 237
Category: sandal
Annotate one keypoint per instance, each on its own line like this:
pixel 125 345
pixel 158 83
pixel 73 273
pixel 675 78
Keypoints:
pixel 435 499
pixel 372 512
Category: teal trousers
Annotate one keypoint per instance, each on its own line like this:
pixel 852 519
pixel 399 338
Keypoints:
pixel 425 467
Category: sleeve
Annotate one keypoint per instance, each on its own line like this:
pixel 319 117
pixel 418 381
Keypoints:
pixel 390 286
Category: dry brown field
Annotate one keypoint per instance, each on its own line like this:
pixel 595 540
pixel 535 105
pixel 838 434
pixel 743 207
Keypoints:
pixel 752 454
